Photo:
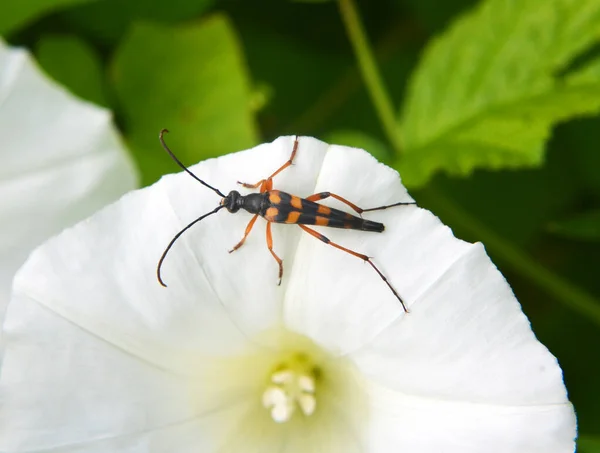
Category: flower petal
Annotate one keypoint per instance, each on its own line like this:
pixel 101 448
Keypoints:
pixel 101 274
pixel 337 299
pixel 61 160
pixel 60 385
pixel 431 426
pixel 466 339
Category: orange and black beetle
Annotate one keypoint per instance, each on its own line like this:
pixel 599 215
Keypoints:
pixel 276 206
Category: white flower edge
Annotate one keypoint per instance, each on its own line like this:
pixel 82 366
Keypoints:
pixel 461 372
pixel 62 159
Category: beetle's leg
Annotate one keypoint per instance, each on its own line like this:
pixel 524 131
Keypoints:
pixel 251 186
pixel 267 184
pixel 400 203
pixel 356 254
pixel 323 195
pixel 289 161
pixel 270 247
pixel 246 233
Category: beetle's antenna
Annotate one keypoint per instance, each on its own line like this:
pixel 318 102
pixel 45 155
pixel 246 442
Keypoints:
pixel 164 145
pixel 164 255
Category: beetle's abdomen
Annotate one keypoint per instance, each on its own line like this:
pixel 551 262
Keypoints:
pixel 286 208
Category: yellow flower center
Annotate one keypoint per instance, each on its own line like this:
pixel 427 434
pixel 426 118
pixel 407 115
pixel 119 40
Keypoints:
pixel 291 387
pixel 285 390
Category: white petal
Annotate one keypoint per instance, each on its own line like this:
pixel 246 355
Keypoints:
pixel 336 298
pixel 428 426
pixel 61 161
pixel 66 389
pixel 61 385
pixel 101 274
pixel 466 339
pixel 198 434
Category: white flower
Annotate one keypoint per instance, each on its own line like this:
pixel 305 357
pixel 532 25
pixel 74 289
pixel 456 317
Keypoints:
pixel 60 160
pixel 101 358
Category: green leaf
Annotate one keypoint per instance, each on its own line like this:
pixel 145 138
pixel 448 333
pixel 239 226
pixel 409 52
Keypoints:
pixel 191 80
pixel 109 20
pixel 357 139
pixel 16 13
pixel 487 93
pixel 584 226
pixel 588 444
pixel 73 63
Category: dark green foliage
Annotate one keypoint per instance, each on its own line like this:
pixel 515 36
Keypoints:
pixel 74 63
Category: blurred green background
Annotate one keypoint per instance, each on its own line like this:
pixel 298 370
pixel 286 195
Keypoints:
pixel 521 172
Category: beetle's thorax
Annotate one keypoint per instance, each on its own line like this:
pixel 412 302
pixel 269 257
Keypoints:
pixel 254 203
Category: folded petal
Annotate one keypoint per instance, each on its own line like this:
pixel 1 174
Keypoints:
pixel 425 425
pixel 466 339
pixel 62 385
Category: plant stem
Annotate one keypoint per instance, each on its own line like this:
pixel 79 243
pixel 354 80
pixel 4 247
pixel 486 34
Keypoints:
pixel 331 100
pixel 560 289
pixel 370 72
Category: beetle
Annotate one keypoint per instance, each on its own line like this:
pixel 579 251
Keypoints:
pixel 276 206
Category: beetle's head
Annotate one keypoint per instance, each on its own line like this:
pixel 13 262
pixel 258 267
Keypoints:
pixel 233 201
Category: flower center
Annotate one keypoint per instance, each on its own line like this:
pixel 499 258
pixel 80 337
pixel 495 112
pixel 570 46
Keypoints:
pixel 291 387
pixel 283 392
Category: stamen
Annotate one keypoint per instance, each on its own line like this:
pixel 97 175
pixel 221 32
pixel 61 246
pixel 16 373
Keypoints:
pixel 307 403
pixel 292 387
pixel 307 383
